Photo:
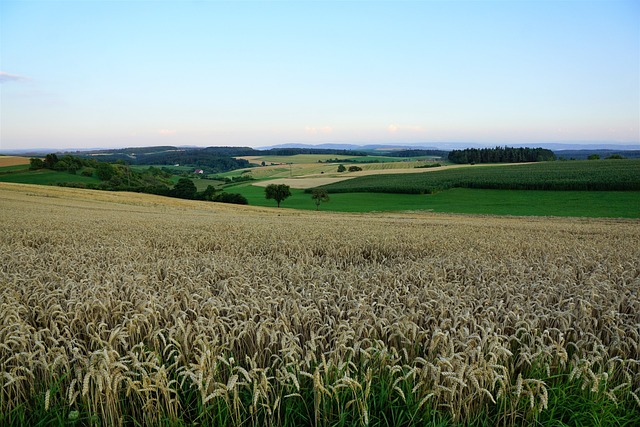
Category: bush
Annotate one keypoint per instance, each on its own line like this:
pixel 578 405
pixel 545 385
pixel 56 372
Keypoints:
pixel 36 164
pixel 234 198
pixel 87 172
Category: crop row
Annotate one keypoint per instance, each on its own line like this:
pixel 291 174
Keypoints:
pixel 604 175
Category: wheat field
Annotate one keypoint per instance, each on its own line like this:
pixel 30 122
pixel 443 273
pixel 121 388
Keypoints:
pixel 125 308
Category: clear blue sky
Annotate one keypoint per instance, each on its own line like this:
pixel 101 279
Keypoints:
pixel 134 73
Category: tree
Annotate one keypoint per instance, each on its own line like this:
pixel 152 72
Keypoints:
pixel 593 157
pixel 36 164
pixel 50 160
pixel 209 193
pixel 184 189
pixel 354 168
pixel 277 192
pixel 105 171
pixel 341 168
pixel 319 195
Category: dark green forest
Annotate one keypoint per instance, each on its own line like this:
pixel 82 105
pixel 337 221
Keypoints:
pixel 501 155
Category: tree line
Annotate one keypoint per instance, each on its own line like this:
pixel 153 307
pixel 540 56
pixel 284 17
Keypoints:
pixel 501 155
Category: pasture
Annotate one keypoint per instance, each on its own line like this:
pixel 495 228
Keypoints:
pixel 606 204
pixel 46 177
pixel 135 309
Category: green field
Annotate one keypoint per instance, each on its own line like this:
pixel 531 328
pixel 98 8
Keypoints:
pixel 46 177
pixel 5 169
pixel 202 183
pixel 609 175
pixel 610 204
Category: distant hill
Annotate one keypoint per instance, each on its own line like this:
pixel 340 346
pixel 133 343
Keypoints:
pixel 577 150
pixel 446 146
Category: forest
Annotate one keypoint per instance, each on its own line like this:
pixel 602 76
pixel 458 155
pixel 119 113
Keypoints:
pixel 501 155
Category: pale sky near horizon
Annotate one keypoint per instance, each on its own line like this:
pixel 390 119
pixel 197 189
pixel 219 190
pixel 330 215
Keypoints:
pixel 82 74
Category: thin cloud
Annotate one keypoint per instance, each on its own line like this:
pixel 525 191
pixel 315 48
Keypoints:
pixel 167 132
pixel 8 78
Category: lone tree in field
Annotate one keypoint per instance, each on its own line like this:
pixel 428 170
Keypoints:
pixel 319 195
pixel 277 192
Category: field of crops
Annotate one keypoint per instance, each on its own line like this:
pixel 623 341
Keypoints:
pixel 134 309
pixel 13 161
pixel 603 175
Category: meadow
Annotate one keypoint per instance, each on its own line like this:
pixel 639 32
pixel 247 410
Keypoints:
pixel 134 309
pixel 593 204
pixel 46 177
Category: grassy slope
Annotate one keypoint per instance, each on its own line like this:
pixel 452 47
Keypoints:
pixel 46 177
pixel 13 168
pixel 611 204
pixel 202 183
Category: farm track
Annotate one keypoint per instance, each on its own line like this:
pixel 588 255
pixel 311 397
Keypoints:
pixel 124 304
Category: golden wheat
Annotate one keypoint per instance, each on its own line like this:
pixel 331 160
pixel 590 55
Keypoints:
pixel 125 296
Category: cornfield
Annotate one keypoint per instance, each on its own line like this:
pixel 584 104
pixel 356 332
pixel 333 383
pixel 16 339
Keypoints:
pixel 121 308
pixel 605 175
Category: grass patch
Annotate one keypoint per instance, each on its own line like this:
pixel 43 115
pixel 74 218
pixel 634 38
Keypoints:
pixel 46 177
pixel 202 183
pixel 610 204
pixel 13 168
